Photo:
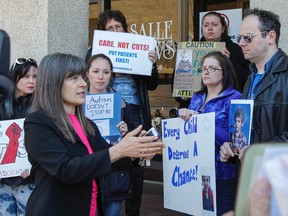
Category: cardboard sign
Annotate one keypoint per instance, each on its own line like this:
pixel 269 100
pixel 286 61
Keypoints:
pixel 13 155
pixel 187 79
pixel 105 110
pixel 188 158
pixel 128 52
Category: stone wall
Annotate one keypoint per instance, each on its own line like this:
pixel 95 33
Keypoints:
pixel 37 28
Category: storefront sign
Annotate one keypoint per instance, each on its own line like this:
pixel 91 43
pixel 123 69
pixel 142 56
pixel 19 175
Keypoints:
pixel 166 46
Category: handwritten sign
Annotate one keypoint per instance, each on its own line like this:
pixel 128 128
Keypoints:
pixel 189 155
pixel 187 79
pixel 105 111
pixel 13 155
pixel 128 52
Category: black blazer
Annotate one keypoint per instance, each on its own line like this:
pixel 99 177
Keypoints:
pixel 62 171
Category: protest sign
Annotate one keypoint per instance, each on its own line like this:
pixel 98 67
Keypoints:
pixel 128 52
pixel 240 123
pixel 105 110
pixel 13 155
pixel 188 158
pixel 187 79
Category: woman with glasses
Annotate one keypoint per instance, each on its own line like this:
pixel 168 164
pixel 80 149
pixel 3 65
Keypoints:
pixel 218 89
pixel 15 191
pixel 214 28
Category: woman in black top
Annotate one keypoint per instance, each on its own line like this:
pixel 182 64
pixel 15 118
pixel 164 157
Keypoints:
pixel 15 191
pixel 214 28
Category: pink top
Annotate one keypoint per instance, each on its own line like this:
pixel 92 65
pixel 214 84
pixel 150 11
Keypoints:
pixel 83 137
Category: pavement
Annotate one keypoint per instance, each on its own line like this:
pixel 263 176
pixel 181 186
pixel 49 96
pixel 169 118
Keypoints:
pixel 153 205
pixel 152 198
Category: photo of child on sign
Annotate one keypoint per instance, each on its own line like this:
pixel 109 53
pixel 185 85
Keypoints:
pixel 207 194
pixel 238 138
pixel 240 124
pixel 184 65
pixel 187 79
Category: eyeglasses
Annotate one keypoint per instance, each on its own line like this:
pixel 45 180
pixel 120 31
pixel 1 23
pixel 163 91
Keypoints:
pixel 115 28
pixel 209 70
pixel 248 37
pixel 23 61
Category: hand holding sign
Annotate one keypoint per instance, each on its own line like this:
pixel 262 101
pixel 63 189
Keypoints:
pixel 186 114
pixel 152 55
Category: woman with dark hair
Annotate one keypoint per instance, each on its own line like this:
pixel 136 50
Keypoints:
pixel 15 191
pixel 214 28
pixel 66 150
pixel 112 15
pixel 218 89
pixel 100 78
pixel 134 89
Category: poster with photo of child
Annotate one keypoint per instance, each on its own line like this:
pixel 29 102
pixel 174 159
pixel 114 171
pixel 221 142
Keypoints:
pixel 187 78
pixel 240 123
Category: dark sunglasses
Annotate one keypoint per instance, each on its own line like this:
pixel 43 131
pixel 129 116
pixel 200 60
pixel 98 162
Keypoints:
pixel 248 37
pixel 23 61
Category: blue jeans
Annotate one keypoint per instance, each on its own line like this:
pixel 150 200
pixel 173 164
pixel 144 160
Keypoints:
pixel 112 208
pixel 13 200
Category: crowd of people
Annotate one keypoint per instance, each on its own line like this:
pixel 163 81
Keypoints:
pixel 62 143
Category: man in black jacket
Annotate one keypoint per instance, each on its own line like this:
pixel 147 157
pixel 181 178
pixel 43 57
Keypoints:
pixel 267 85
